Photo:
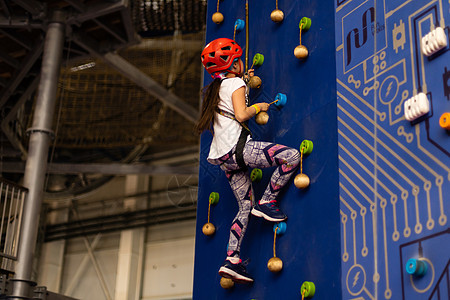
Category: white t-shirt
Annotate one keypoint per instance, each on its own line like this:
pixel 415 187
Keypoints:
pixel 226 130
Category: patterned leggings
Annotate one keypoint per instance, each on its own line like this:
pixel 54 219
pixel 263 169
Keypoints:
pixel 256 155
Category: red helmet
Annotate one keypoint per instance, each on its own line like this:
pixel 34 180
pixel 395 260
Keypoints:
pixel 220 54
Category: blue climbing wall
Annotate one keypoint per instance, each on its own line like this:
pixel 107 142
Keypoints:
pixel 380 184
pixel 310 248
pixel 393 174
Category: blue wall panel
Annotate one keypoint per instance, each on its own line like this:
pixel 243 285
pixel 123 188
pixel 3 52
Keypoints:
pixel 394 174
pixel 380 184
pixel 310 248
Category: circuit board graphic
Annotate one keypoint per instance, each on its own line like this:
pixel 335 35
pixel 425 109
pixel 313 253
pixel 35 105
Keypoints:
pixel 371 96
pixel 394 169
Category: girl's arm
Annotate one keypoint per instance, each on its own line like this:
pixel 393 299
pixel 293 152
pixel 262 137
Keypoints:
pixel 241 111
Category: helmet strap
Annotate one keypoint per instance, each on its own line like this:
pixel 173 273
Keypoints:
pixel 223 74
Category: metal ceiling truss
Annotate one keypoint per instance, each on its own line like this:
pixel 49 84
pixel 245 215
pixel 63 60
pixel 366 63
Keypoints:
pixel 138 77
pixel 105 169
pixel 93 28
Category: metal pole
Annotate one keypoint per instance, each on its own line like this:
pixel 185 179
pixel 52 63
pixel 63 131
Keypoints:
pixel 36 165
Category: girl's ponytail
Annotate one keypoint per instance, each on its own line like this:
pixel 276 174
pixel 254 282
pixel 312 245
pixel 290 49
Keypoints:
pixel 210 95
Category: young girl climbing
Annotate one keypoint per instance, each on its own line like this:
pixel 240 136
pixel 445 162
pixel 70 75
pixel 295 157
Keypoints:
pixel 225 111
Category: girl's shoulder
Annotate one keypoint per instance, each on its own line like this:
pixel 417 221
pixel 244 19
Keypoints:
pixel 233 81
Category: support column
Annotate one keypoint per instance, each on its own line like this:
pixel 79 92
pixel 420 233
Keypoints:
pixel 131 248
pixel 36 165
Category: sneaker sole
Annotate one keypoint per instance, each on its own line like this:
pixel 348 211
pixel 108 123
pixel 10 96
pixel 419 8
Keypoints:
pixel 260 214
pixel 236 277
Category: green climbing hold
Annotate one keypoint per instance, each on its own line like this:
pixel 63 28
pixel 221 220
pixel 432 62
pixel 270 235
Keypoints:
pixel 256 175
pixel 214 198
pixel 307 147
pixel 258 59
pixel 308 289
pixel 305 23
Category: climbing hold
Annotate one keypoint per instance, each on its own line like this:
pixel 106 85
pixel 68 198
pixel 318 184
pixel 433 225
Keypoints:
pixel 256 175
pixel 301 52
pixel 280 228
pixel 208 229
pixel 239 25
pixel 280 100
pixel 416 106
pixel 301 181
pixel 308 289
pixel 217 17
pixel 214 198
pixel 444 121
pixel 434 41
pixel 226 283
pixel 262 118
pixel 305 24
pixel 275 264
pixel 307 147
pixel 258 59
pixel 416 267
pixel 255 82
pixel 277 15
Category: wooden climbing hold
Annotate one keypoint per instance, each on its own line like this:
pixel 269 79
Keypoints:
pixel 209 229
pixel 226 283
pixel 255 82
pixel 275 264
pixel 302 181
pixel 262 118
pixel 277 15
pixel 301 52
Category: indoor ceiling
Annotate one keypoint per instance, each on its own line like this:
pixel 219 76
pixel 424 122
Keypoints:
pixel 128 91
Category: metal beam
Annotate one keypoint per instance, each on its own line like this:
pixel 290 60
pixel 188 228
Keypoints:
pixel 9 60
pixel 5 8
pixel 80 7
pixel 5 122
pixel 97 269
pixel 105 169
pixel 96 10
pixel 155 44
pixel 32 6
pixel 24 69
pixel 19 22
pixel 81 269
pixel 128 24
pixel 161 157
pixel 121 221
pixel 16 37
pixel 111 31
pixel 151 86
pixel 140 78
pixel 77 4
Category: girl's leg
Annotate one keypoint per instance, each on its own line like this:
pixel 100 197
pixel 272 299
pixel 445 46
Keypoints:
pixel 263 155
pixel 241 186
